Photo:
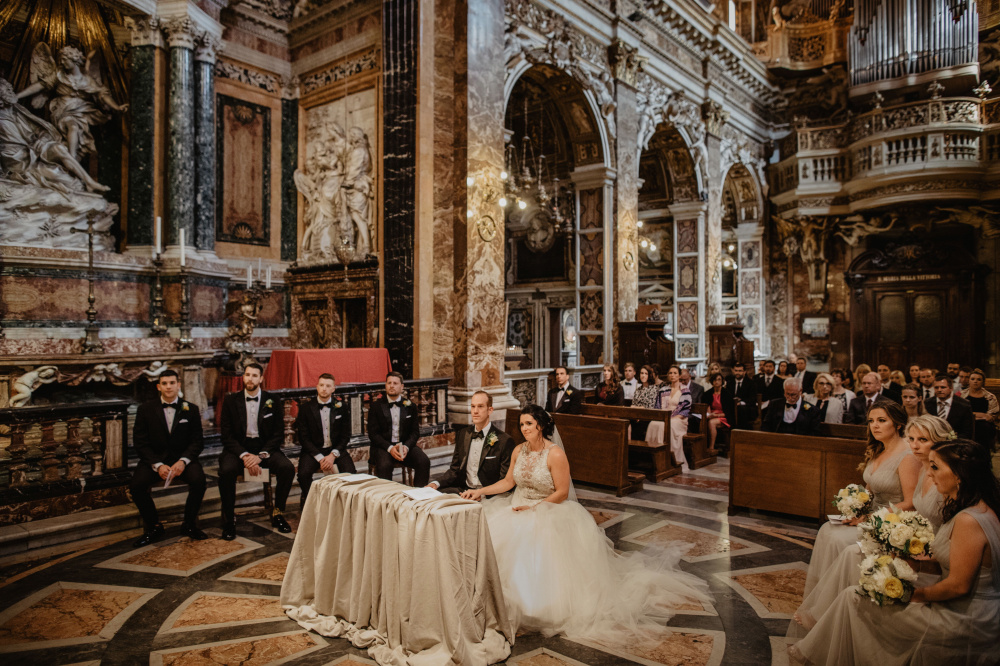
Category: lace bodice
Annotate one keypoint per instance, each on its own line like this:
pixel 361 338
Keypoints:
pixel 532 476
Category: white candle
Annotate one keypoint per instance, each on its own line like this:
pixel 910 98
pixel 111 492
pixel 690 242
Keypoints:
pixel 249 276
pixel 260 271
pixel 159 231
pixel 182 247
pixel 268 285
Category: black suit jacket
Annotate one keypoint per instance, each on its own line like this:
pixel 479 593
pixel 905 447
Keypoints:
pixel 309 427
pixel 894 392
pixel 773 392
pixel 155 444
pixel 808 379
pixel 697 390
pixel 857 411
pixel 960 416
pixel 747 393
pixel 806 423
pixel 270 424
pixel 380 424
pixel 572 401
pixel 493 463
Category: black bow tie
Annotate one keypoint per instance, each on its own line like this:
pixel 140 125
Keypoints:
pixel 394 404
pixel 480 434
pixel 254 399
pixel 324 405
pixel 172 405
pixel 788 406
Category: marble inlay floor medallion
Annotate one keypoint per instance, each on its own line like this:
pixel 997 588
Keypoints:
pixel 774 592
pixel 267 650
pixel 605 518
pixel 180 556
pixel 543 657
pixel 268 571
pixel 677 646
pixel 69 614
pixel 707 544
pixel 212 610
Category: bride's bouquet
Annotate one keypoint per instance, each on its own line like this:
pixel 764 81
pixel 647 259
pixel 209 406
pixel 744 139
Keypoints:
pixel 897 533
pixel 886 580
pixel 853 501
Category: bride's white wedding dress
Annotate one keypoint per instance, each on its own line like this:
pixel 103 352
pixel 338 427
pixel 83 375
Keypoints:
pixel 560 573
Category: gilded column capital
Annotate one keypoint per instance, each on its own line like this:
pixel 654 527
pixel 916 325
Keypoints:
pixel 180 33
pixel 146 30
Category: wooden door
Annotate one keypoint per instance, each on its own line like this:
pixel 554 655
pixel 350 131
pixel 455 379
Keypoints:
pixel 910 326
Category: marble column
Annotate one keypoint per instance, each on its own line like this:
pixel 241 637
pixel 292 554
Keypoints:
pixel 713 236
pixel 204 130
pixel 180 132
pixel 689 283
pixel 289 163
pixel 146 41
pixel 400 23
pixel 752 285
pixel 479 304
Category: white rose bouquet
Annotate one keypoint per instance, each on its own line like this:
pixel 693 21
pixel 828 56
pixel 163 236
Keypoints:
pixel 886 580
pixel 899 533
pixel 853 501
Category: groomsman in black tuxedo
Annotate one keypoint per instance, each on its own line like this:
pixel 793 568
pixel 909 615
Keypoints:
pixel 769 385
pixel 792 415
pixel 563 398
pixel 324 430
pixel 253 429
pixel 745 390
pixel 482 453
pixel 955 410
pixel 393 428
pixel 167 436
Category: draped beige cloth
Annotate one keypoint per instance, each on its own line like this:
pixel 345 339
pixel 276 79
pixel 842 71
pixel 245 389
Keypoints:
pixel 415 582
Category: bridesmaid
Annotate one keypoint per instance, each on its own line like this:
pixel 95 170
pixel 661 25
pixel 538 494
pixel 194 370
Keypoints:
pixel 677 398
pixel 956 620
pixel 912 402
pixel 610 392
pixel 890 474
pixel 921 434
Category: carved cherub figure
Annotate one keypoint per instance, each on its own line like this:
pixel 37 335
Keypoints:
pixel 31 381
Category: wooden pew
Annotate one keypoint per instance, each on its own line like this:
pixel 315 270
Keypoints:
pixel 696 439
pixel 790 474
pixel 844 430
pixel 653 460
pixel 597 449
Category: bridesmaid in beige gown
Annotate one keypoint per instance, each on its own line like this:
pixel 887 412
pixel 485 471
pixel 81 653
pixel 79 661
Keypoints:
pixel 955 620
pixel 922 433
pixel 890 473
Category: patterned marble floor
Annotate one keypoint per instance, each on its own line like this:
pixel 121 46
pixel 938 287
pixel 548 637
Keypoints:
pixel 184 603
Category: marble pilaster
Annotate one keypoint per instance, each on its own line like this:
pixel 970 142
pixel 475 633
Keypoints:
pixel 689 283
pixel 713 236
pixel 752 285
pixel 289 163
pixel 626 259
pixel 204 131
pixel 180 132
pixel 146 40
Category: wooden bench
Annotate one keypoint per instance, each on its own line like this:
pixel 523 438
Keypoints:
pixel 653 460
pixel 696 439
pixel 844 430
pixel 790 474
pixel 597 449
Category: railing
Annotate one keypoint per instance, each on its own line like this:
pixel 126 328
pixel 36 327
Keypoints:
pixel 57 450
pixel 532 386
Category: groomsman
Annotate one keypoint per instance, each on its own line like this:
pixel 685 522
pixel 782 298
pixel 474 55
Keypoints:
pixel 167 436
pixel 324 430
pixel 482 453
pixel 393 428
pixel 630 383
pixel 563 398
pixel 253 429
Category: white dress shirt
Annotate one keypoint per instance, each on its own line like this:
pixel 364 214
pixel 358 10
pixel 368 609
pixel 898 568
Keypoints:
pixel 629 386
pixel 324 416
pixel 253 408
pixel 169 411
pixel 475 453
pixel 561 394
pixel 792 413
pixel 394 414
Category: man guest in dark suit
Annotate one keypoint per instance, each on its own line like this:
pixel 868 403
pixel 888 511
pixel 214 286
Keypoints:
pixel 563 398
pixel 745 390
pixel 953 409
pixel 769 385
pixel 871 390
pixel 793 415
pixel 482 453
pixel 253 429
pixel 890 389
pixel 323 427
pixel 806 377
pixel 167 436
pixel 393 429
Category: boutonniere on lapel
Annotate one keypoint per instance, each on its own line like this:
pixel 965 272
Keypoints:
pixel 569 391
pixel 185 407
pixel 806 406
pixel 269 404
pixel 338 404
pixel 491 440
pixel 407 403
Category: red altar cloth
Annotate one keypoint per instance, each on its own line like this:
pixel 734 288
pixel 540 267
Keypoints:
pixel 298 368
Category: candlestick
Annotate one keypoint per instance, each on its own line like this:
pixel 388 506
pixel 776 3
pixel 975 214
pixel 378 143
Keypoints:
pixel 158 329
pixel 182 247
pixel 185 341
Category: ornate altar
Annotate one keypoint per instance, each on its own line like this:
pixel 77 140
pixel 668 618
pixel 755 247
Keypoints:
pixel 334 306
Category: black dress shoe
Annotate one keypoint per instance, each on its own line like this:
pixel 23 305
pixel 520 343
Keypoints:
pixel 281 524
pixel 154 533
pixel 193 532
pixel 229 532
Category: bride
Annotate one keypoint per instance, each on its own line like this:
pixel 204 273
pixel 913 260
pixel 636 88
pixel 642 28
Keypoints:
pixel 560 573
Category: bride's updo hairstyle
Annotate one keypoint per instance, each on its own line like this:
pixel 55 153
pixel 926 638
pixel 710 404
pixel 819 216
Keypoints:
pixel 542 418
pixel 971 464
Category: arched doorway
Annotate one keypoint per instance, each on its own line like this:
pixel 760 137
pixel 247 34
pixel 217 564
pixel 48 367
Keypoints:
pixel 741 253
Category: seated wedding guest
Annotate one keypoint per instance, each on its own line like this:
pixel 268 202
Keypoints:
pixel 782 371
pixel 324 430
pixel 806 377
pixel 393 428
pixel 829 408
pixel 859 374
pixel 953 409
pixel 167 436
pixel 253 429
pixel 793 415
pixel 721 410
pixel 898 378
pixel 563 398
pixel 706 381
pixel 963 379
pixel 630 383
pixel 985 409
pixel 769 385
pixel 692 386
pixel 676 397
pixel 610 391
pixel 482 452
pixel 745 389
pixel 659 379
pixel 760 368
pixel 952 370
pixel 889 389
pixel 927 376
pixel 645 397
pixel 890 475
pixel 954 620
pixel 841 391
pixel 871 390
pixel 914 372
pixel 921 434
pixel 912 402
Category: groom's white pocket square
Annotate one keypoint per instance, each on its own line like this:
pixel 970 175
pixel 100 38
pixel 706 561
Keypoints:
pixel 182 421
pixel 491 457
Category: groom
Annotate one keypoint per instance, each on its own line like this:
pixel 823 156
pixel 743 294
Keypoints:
pixel 482 453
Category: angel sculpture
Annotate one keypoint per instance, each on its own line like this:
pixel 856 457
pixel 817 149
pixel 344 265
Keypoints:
pixel 79 98
pixel 853 233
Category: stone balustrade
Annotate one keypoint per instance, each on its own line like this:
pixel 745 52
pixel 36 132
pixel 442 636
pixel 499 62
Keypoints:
pixel 532 385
